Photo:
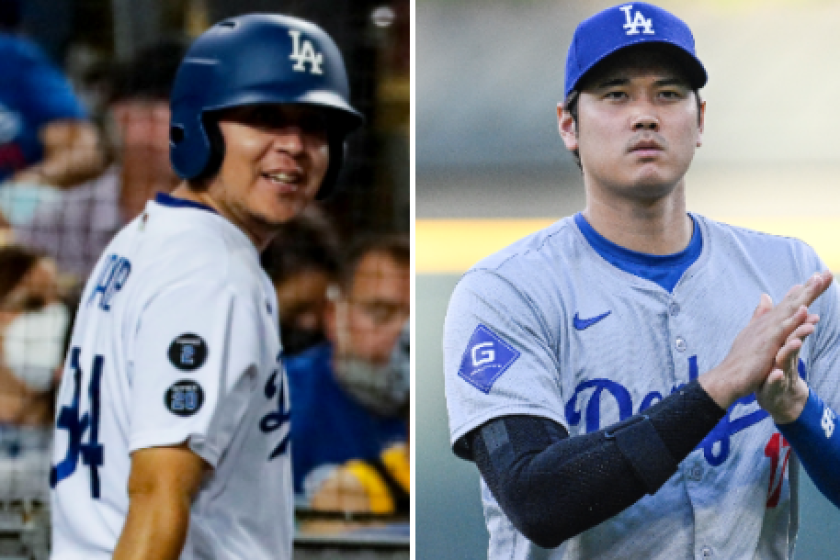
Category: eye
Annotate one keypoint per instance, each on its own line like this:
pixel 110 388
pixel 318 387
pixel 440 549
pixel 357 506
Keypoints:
pixel 672 94
pixel 615 95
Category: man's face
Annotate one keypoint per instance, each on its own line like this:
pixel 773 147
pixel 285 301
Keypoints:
pixel 143 128
pixel 276 157
pixel 36 289
pixel 144 135
pixel 638 125
pixel 302 299
pixel 366 323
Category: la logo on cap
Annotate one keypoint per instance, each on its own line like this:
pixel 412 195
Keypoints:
pixel 632 25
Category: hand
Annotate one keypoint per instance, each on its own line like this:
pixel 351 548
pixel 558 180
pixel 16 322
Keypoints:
pixel 755 350
pixel 784 393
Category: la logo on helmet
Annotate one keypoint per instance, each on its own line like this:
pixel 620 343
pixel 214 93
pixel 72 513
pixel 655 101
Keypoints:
pixel 305 53
pixel 632 25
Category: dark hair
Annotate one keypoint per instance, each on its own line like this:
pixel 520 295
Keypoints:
pixel 396 246
pixel 15 263
pixel 149 73
pixel 308 242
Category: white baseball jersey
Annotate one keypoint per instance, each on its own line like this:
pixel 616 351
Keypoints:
pixel 547 327
pixel 176 340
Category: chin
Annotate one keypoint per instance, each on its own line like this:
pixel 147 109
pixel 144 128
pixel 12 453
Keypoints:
pixel 278 214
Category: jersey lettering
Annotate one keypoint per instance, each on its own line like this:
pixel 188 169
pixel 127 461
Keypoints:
pixel 304 53
pixel 76 424
pixel 778 450
pixel 275 420
pixel 828 422
pixel 632 26
pixel 111 280
pixel 715 446
pixel 484 356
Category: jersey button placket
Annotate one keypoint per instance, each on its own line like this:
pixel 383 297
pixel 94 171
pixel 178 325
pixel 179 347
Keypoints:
pixel 674 309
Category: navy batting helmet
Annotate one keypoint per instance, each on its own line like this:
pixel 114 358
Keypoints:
pixel 253 59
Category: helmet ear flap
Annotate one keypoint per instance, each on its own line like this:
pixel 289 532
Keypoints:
pixel 337 148
pixel 217 147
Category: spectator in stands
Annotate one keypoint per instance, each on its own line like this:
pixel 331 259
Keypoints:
pixel 76 228
pixel 45 135
pixel 346 393
pixel 302 262
pixel 381 485
pixel 33 328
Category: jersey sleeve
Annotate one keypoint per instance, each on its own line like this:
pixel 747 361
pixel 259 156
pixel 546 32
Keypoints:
pixel 499 356
pixel 195 363
pixel 824 364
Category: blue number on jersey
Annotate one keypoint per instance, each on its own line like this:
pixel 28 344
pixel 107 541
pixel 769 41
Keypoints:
pixel 70 419
pixel 275 420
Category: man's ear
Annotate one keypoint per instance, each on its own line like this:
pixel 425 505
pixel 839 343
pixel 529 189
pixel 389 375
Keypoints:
pixel 568 128
pixel 701 121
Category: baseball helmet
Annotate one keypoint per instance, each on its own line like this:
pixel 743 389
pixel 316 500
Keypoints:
pixel 254 59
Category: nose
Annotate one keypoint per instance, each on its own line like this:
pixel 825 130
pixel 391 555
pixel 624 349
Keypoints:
pixel 289 139
pixel 645 120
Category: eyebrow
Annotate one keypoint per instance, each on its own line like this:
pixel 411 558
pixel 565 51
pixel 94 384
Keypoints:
pixel 619 81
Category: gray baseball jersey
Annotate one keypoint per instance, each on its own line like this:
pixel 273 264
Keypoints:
pixel 549 328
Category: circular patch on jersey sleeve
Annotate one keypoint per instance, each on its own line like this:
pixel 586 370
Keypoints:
pixel 184 398
pixel 188 352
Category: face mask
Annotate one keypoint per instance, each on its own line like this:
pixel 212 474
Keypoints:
pixel 33 344
pixel 381 389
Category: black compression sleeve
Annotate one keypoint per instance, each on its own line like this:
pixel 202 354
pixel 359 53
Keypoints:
pixel 553 487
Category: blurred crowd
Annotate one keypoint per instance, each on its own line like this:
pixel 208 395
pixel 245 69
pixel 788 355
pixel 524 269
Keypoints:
pixel 71 176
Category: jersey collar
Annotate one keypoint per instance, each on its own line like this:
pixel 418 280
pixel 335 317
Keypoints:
pixel 172 202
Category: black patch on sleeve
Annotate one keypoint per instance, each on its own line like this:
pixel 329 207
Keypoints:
pixel 184 398
pixel 188 352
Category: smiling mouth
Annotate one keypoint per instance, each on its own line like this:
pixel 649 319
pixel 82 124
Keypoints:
pixel 287 181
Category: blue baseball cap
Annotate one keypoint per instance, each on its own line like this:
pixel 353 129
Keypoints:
pixel 627 25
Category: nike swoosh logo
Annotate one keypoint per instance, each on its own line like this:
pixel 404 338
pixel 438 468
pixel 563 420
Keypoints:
pixel 581 324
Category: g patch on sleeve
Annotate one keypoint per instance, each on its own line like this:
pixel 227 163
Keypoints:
pixel 486 358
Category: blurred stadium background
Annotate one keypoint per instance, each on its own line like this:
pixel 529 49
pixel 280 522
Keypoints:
pixel 491 168
pixel 88 41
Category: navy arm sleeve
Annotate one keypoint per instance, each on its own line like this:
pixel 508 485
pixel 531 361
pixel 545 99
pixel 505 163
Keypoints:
pixel 553 487
pixel 816 441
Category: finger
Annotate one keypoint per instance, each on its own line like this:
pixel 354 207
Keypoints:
pixel 765 304
pixel 803 331
pixel 816 285
pixel 805 294
pixel 773 381
pixel 776 377
pixel 788 351
pixel 789 325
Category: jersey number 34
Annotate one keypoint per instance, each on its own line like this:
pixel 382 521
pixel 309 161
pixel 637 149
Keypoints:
pixel 71 419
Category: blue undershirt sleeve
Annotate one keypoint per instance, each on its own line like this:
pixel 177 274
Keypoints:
pixel 815 438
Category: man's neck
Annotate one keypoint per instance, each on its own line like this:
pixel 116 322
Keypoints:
pixel 660 227
pixel 259 238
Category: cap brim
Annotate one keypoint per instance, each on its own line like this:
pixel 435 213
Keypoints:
pixel 695 71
